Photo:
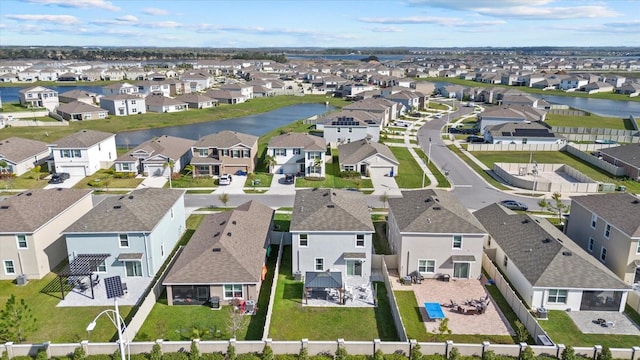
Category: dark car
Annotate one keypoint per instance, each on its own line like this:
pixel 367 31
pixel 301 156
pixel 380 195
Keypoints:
pixel 58 178
pixel 453 130
pixel 475 139
pixel 289 179
pixel 470 131
pixel 514 205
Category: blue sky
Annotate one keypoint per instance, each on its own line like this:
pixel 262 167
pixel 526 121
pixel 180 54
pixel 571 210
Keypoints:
pixel 320 23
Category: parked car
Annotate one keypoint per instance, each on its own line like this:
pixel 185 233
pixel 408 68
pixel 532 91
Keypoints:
pixel 470 131
pixel 438 115
pixel 453 130
pixel 224 179
pixel 289 179
pixel 514 205
pixel 58 178
pixel 475 139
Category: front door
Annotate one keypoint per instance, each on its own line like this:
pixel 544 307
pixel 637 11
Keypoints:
pixel 363 169
pixel 134 268
pixel 354 268
pixel 461 270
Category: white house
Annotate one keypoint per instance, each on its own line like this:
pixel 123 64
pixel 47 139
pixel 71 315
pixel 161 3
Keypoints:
pixel 364 156
pixel 163 104
pixel 122 88
pixel 298 153
pixel 39 97
pixel 245 89
pixel 572 82
pixel 123 104
pixel 148 87
pixel 521 133
pixel 346 126
pixel 85 152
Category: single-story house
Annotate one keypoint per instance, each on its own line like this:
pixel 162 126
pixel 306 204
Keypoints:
pixel 163 104
pixel 521 133
pixel 22 155
pixel 152 156
pixel 197 101
pixel 76 111
pixel 364 156
pixel 626 156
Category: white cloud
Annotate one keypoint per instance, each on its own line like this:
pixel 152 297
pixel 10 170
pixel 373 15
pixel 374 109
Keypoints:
pixel 56 19
pixel 389 29
pixel 100 4
pixel 128 18
pixel 443 21
pixel 155 11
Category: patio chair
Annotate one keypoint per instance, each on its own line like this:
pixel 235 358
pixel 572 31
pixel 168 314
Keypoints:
pixel 611 324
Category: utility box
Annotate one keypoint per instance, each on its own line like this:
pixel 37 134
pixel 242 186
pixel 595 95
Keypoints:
pixel 22 279
pixel 542 313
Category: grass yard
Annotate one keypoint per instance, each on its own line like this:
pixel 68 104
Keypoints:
pixel 293 321
pixel 264 180
pixel 282 222
pixel 410 173
pixel 188 181
pixel 380 243
pixel 16 107
pixel 332 180
pixel 414 325
pixel 25 181
pixel 443 182
pixel 105 179
pixel 437 106
pixel 588 121
pixel 562 330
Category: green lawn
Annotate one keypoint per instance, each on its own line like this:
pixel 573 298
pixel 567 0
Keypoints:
pixel 293 321
pixel 588 121
pixel 485 175
pixel 442 180
pixel 28 180
pixel 398 141
pixel 437 106
pixel 188 181
pixel 263 178
pixel 16 107
pixel 504 306
pixel 332 180
pixel 105 179
pixel 282 221
pixel 562 330
pixel 414 325
pixel 380 243
pixel 410 174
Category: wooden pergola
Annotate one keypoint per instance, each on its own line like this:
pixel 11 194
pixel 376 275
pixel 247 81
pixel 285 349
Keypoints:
pixel 82 266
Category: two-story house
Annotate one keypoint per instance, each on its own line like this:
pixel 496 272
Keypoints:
pixel 149 87
pixel 84 152
pixel 297 153
pixel 346 126
pixel 39 97
pixel 224 152
pixel 138 231
pixel 123 104
pixel 388 110
pixel 245 89
pixel 31 225
pixel 607 226
pixel 22 155
pixel 120 88
pixel 331 230
pixel 431 232
pixel 153 156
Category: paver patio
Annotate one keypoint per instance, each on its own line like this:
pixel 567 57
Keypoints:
pixel 618 323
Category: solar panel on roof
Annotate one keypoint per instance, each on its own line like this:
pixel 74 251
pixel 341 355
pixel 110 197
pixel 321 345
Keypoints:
pixel 114 287
pixel 533 133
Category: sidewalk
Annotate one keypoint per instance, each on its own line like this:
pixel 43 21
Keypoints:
pixel 433 182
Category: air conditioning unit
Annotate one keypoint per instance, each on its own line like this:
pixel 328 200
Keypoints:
pixel 22 279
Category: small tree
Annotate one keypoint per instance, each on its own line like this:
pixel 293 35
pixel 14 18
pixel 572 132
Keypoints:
pixel 236 321
pixel 521 332
pixel 16 320
pixel 528 354
pixel 341 353
pixel 156 352
pixel 555 205
pixel 378 355
pixel 231 352
pixel 454 354
pixel 443 329
pixel 303 354
pixel 170 163
pixel 605 354
pixel 568 353
pixel 267 353
pixel 79 353
pixel 116 354
pixel 189 170
pixel 5 355
pixel 36 172
pixel 384 198
pixel 415 353
pixel 4 166
pixel 252 177
pixel 270 162
pixel 42 355
pixel 194 352
pixel 224 199
pixel 489 355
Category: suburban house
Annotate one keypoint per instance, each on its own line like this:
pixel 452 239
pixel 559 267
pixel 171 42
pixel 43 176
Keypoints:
pixel 39 97
pixel 152 156
pixel 138 231
pixel 331 230
pixel 607 226
pixel 297 153
pixel 123 104
pixel 245 89
pixel 510 114
pixel 199 81
pixel 409 99
pixel 431 232
pixel 120 88
pixel 387 109
pixel 365 156
pixel 197 101
pixel 521 133
pixel 76 111
pixel 162 104
pixel 22 155
pixel 86 97
pixel 572 83
pixel 224 152
pixel 546 267
pixel 84 152
pixel 226 97
pixel 351 125
pixel 225 258
pixel 626 156
pixel 31 225
pixel 150 87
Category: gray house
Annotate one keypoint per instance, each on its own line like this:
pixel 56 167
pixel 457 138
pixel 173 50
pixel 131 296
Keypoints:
pixel 22 155
pixel 626 156
pixel 138 231
pixel 152 156
pixel 364 156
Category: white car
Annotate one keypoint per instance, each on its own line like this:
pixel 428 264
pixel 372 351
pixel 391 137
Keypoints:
pixel 224 180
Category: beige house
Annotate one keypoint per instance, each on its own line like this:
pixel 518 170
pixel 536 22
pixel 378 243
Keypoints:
pixel 22 155
pixel 31 223
pixel 224 152
pixel 76 111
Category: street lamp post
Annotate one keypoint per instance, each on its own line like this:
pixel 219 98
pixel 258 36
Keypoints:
pixel 117 321
pixel 429 155
pixel 534 172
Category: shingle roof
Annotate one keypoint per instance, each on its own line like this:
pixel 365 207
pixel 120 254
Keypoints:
pixel 140 210
pixel 377 104
pixel 121 97
pixel 629 154
pixel 160 100
pixel 360 116
pixel 239 237
pixel 544 255
pixel 78 94
pixel 356 151
pixel 433 211
pixel 31 209
pixel 195 98
pixel 515 129
pixel 83 139
pixel 297 140
pixel 169 146
pixel 75 107
pixel 17 149
pixel 226 139
pixel 330 210
pixel 621 210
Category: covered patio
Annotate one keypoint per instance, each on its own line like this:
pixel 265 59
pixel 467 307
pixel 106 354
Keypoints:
pixel 78 274
pixel 323 285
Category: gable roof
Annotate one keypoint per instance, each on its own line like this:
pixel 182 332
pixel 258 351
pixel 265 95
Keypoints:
pixel 226 139
pixel 297 140
pixel 83 139
pixel 161 100
pixel 330 210
pixel 28 211
pixel 364 118
pixel 75 107
pixel 372 104
pixel 139 211
pixel 621 210
pixel 433 211
pixel 544 255
pixel 356 151
pixel 121 97
pixel 195 98
pixel 239 237
pixel 520 129
pixel 78 94
pixel 629 154
pixel 17 150
pixel 169 146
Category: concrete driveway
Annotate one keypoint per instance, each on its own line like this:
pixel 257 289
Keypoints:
pixel 236 186
pixel 67 184
pixel 383 184
pixel 279 187
pixel 153 182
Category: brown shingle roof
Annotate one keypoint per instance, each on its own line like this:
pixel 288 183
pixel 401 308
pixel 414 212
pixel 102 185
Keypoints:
pixel 297 140
pixel 356 151
pixel 169 146
pixel 226 139
pixel 83 139
pixel 17 149
pixel 330 210
pixel 75 107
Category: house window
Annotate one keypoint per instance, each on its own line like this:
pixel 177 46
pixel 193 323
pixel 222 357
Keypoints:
pixel 457 241
pixel 426 266
pixel 590 246
pixel 505 262
pixel 314 169
pixel 315 155
pixel 280 152
pixel 304 240
pixel 296 151
pixel 350 130
pixel 338 130
pixel 102 267
pixel 603 254
pixel 233 291
pixel 557 296
pixel 607 230
pixel 236 153
pixel 133 111
pixel 124 240
pixel 319 263
pixel 349 168
pixel 22 241
pixel 133 102
pixel 594 220
pixel 203 169
pixel 125 167
pixel 246 153
pixel 360 240
pixel 224 152
pixel 9 268
pixel 203 152
pixel 638 248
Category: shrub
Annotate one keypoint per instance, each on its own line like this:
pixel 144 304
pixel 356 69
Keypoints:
pixel 349 174
pixel 528 354
pixel 248 356
pixel 79 353
pixel 156 352
pixel 5 355
pixel 175 356
pixel 212 356
pixel 605 354
pixel 396 356
pixel 286 357
pixel 568 353
pixel 99 357
pixel 489 355
pixel 341 353
pixel 116 355
pixel 304 354
pixel 42 355
pixel 231 352
pixel 194 352
pixel 454 354
pixel 415 353
pixel 314 178
pixel 378 355
pixel 267 353
pixel 522 335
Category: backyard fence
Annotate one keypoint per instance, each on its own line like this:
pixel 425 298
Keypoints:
pixel 274 284
pixel 506 171
pixel 515 147
pixel 395 310
pixel 633 299
pixel 571 112
pixel 595 161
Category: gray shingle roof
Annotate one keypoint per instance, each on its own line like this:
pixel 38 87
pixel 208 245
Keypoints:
pixel 356 151
pixel 537 249
pixel 139 211
pixel 512 129
pixel 226 139
pixel 330 210
pixel 629 154
pixel 240 235
pixel 195 98
pixel 298 140
pixel 17 149
pixel 433 211
pixel 170 146
pixel 82 139
pixel 360 116
pixel 159 100
pixel 377 104
pixel 31 209
pixel 621 210
pixel 75 107
pixel 121 97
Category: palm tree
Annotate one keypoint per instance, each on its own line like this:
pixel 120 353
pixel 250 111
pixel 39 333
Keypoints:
pixel 270 162
pixel 224 199
pixel 170 163
pixel 189 169
pixel 4 166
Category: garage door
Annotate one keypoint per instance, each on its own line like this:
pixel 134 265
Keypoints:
pixel 383 169
pixel 72 170
pixel 157 170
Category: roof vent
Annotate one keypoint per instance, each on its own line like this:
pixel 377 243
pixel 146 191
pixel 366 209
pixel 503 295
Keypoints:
pixel 223 222
pixel 330 206
pixel 558 239
pixel 130 197
pixel 216 234
pixel 4 207
pixel 566 253
pixel 525 221
pixel 28 194
pixel 546 241
pixel 229 234
pixel 216 249
pixel 428 200
pixel 59 189
pixel 436 199
pixel 437 208
pixel 117 206
pixel 234 222
pixel 636 201
pixel 325 194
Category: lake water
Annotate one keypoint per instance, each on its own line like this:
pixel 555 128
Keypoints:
pixel 603 107
pixel 257 124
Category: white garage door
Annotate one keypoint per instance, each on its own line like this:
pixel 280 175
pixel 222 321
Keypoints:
pixel 157 170
pixel 383 169
pixel 73 170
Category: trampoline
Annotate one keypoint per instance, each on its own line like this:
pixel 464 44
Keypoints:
pixel 434 310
